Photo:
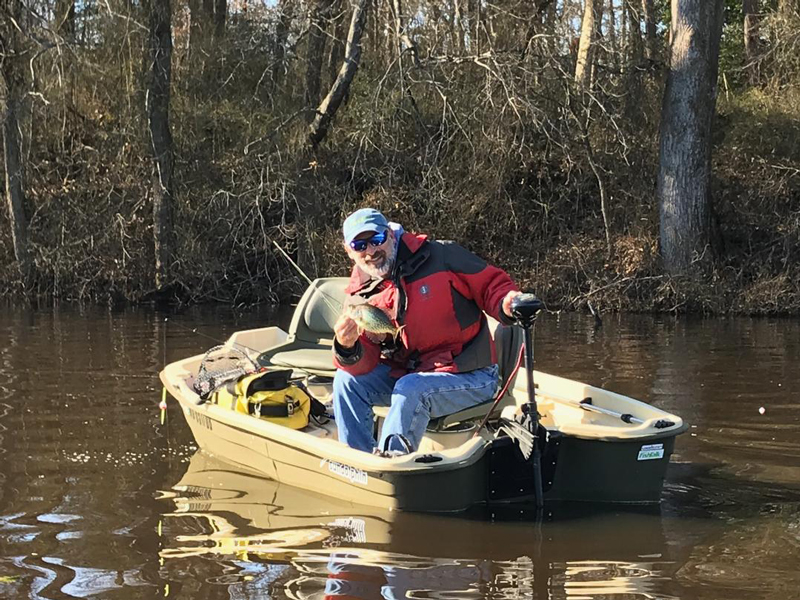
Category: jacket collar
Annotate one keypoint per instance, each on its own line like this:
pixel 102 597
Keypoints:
pixel 412 252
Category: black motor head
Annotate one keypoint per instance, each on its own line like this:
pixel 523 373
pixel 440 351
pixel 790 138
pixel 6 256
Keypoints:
pixel 525 308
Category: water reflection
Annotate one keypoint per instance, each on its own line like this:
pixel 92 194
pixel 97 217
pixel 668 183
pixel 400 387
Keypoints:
pixel 264 535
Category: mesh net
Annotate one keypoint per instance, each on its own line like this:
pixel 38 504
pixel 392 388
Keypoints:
pixel 220 365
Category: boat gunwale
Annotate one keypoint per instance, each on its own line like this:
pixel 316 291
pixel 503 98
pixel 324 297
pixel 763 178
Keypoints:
pixel 183 394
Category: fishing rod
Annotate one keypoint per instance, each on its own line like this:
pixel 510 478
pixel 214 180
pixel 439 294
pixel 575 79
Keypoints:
pixel 328 299
pixel 210 337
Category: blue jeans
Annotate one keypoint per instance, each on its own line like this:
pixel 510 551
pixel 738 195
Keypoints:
pixel 414 399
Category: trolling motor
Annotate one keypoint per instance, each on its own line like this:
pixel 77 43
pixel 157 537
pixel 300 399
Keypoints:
pixel 524 309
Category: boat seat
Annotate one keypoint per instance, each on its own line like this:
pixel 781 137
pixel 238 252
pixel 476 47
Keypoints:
pixel 315 359
pixel 308 345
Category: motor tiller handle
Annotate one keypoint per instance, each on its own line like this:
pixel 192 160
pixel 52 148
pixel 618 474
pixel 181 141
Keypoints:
pixel 525 308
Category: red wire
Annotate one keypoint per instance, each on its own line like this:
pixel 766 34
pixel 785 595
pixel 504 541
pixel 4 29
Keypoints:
pixel 502 393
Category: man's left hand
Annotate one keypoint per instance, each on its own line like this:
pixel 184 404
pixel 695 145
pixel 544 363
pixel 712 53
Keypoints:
pixel 507 302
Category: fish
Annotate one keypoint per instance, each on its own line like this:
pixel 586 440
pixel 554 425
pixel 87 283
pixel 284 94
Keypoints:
pixel 372 319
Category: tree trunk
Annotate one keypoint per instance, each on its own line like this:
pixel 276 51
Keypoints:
pixel 220 17
pixel 15 190
pixel 402 41
pixel 284 21
pixel 160 135
pixel 583 67
pixel 339 32
pixel 751 36
pixel 635 33
pixel 327 109
pixel 456 33
pixel 651 42
pixel 550 18
pixel 612 33
pixel 65 18
pixel 479 27
pixel 684 175
pixel 12 69
pixel 200 26
pixel 317 24
pixel 624 38
pixel 634 60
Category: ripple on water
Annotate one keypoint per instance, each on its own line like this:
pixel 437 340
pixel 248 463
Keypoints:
pixel 754 558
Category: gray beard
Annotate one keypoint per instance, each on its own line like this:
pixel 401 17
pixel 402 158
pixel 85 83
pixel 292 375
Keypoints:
pixel 384 270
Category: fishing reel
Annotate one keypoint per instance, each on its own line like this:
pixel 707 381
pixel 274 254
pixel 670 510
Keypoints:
pixel 525 308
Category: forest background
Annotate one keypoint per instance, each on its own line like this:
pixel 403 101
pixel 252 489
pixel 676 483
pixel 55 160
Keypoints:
pixel 615 154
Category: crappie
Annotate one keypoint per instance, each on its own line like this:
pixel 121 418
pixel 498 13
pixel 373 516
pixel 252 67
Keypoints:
pixel 369 318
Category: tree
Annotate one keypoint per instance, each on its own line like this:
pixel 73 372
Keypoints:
pixel 284 15
pixel 684 174
pixel 352 56
pixel 158 94
pixel 650 47
pixel 200 19
pixel 220 17
pixel 586 47
pixel 13 80
pixel 635 32
pixel 338 34
pixel 318 16
pixel 751 34
pixel 65 17
pixel 612 31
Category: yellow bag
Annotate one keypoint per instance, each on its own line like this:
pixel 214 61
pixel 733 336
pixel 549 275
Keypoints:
pixel 267 395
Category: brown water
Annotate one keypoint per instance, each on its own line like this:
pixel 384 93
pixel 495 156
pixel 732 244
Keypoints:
pixel 98 499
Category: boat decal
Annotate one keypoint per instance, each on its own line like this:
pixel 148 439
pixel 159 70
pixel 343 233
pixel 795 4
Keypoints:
pixel 352 474
pixel 200 419
pixel 651 452
pixel 356 529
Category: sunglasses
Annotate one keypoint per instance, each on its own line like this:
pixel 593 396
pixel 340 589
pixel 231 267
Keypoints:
pixel 376 240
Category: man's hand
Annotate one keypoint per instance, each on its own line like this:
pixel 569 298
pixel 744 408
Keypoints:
pixel 346 332
pixel 507 302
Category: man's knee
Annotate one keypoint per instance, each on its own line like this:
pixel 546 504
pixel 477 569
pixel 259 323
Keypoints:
pixel 342 380
pixel 410 390
pixel 371 384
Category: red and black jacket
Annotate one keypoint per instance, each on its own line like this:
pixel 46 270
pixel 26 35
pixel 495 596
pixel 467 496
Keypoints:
pixel 440 292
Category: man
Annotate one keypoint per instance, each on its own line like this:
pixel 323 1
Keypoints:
pixel 442 360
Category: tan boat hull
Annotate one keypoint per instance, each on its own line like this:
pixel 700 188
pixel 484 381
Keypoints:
pixel 592 457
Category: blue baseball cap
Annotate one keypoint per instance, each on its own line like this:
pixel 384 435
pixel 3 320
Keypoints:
pixel 364 219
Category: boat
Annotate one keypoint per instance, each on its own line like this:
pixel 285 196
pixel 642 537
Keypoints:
pixel 545 440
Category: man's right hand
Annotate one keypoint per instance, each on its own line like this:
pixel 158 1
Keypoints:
pixel 346 332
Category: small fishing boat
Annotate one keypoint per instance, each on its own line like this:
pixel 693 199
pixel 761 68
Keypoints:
pixel 546 439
